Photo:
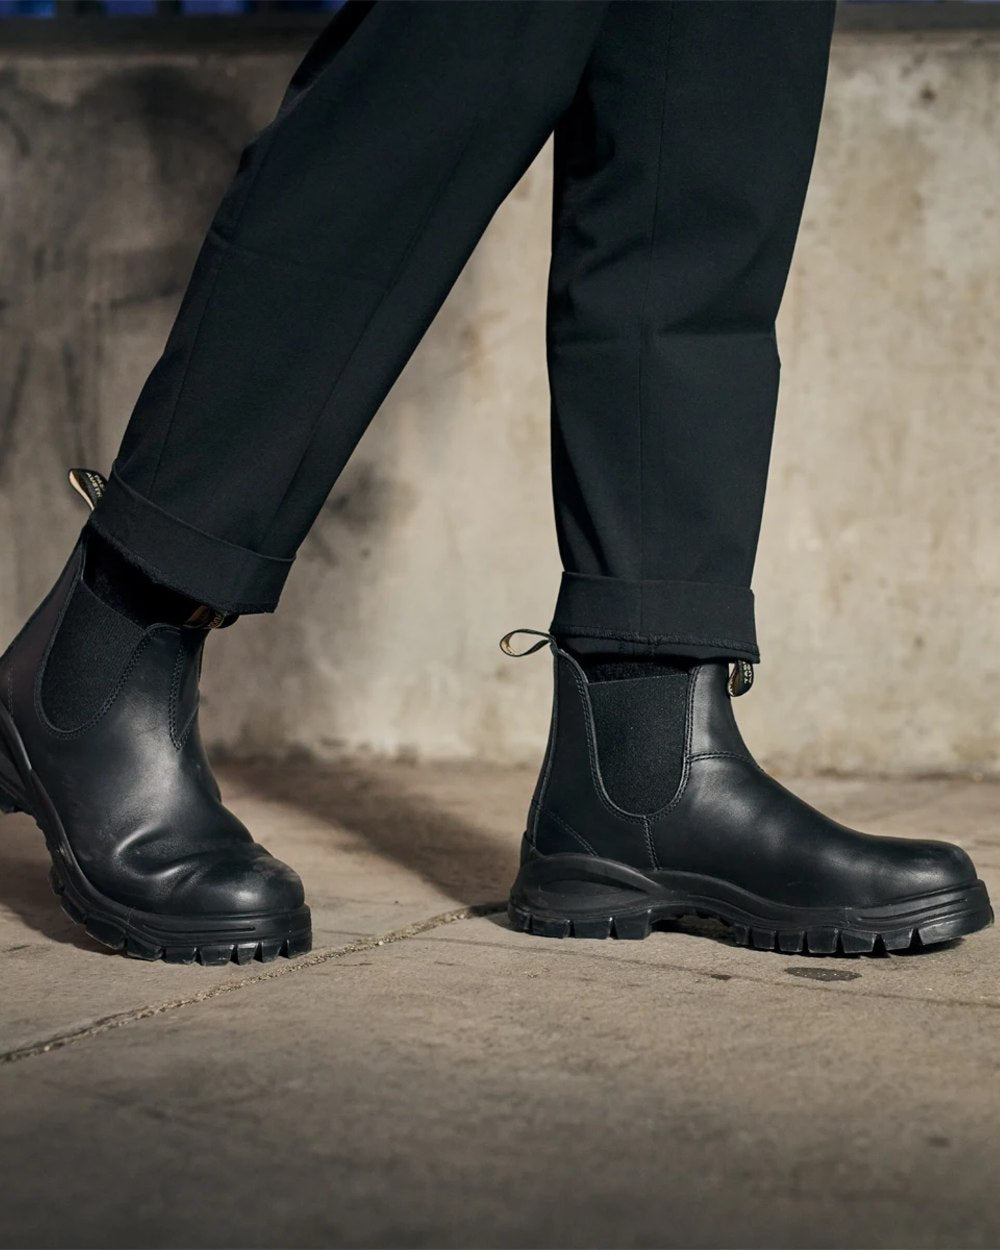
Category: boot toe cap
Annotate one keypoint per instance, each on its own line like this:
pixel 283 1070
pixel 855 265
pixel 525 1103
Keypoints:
pixel 910 868
pixel 938 866
pixel 241 885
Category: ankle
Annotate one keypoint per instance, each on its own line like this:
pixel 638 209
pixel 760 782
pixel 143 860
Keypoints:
pixel 602 666
pixel 125 588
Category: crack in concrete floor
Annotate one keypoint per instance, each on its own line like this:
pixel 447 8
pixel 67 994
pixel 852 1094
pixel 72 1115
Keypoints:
pixel 287 968
pixel 416 929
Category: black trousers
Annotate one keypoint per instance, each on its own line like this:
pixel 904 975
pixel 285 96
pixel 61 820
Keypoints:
pixel 684 136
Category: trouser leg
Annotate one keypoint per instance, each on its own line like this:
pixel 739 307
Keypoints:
pixel 348 221
pixel 681 169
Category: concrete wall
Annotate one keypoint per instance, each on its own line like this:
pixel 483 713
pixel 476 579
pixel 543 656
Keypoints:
pixel 879 573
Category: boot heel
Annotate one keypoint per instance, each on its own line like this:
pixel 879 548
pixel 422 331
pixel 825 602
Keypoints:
pixel 583 896
pixel 634 927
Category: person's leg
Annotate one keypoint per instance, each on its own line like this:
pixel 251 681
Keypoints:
pixel 681 170
pixel 348 221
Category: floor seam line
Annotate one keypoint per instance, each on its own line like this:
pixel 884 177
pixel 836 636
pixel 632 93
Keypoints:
pixel 313 960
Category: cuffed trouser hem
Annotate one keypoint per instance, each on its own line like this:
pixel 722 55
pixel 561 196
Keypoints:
pixel 699 619
pixel 174 553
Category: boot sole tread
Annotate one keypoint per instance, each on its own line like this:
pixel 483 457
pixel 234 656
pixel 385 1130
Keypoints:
pixel 112 931
pixel 805 941
pixel 561 896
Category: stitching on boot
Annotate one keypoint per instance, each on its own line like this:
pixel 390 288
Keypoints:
pixel 551 815
pixel 650 845
pixel 178 738
pixel 723 755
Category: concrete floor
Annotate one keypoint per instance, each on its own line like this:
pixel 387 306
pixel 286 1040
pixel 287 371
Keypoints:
pixel 429 1078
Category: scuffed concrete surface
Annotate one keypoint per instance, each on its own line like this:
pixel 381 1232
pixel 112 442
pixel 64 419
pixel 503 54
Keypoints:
pixel 422 1083
pixel 879 576
pixel 378 848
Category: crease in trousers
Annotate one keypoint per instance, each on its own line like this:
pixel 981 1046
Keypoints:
pixel 684 137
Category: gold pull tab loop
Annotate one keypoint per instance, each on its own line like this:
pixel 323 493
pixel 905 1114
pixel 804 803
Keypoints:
pixel 89 485
pixel 507 649
pixel 204 617
pixel 740 678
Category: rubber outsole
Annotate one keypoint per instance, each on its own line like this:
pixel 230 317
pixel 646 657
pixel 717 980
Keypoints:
pixel 536 907
pixel 821 941
pixel 207 940
pixel 120 936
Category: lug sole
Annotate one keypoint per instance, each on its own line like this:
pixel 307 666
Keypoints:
pixel 616 901
pixel 204 940
pixel 208 941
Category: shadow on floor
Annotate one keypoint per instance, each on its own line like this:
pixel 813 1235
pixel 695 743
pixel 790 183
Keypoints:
pixel 461 838
pixel 25 888
pixel 451 825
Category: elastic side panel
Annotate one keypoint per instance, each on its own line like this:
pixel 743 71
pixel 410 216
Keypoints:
pixel 640 727
pixel 93 645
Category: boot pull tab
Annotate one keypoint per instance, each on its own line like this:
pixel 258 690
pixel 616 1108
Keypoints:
pixel 507 649
pixel 204 617
pixel 89 485
pixel 740 678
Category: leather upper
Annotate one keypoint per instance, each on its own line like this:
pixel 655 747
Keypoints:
pixel 728 818
pixel 132 787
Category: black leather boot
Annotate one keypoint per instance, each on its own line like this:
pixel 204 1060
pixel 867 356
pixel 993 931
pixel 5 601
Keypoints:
pixel 99 743
pixel 649 806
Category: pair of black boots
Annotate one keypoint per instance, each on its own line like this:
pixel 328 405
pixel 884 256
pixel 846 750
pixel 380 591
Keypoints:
pixel 649 805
